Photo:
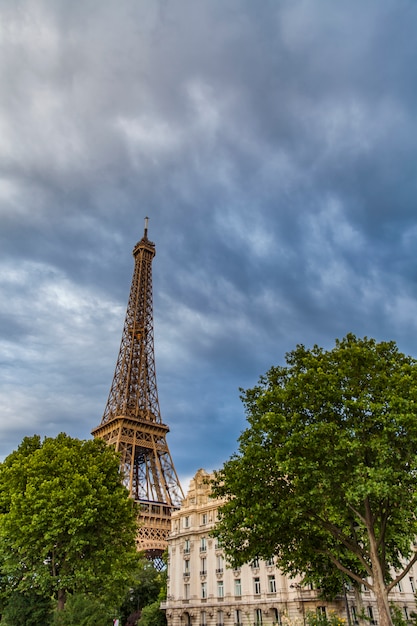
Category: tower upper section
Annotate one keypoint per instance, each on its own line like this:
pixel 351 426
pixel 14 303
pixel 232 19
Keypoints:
pixel 133 392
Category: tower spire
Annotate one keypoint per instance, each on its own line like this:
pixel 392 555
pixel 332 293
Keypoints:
pixel 132 420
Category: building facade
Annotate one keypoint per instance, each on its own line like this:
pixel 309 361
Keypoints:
pixel 203 591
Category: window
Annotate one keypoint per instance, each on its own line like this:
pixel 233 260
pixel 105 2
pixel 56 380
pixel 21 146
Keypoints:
pixel 272 585
pixel 354 614
pixel 187 521
pixel 187 546
pixel 238 617
pixel 238 587
pixel 204 590
pixel 255 563
pixel 321 610
pixel 258 617
pixel 220 589
pixel 219 564
pixel 276 616
pixel 371 615
pixel 406 615
pixel 399 586
pixel 412 585
pixel 203 544
pixel 186 591
pixel 186 567
pixel 257 586
pixel 270 562
pixel 220 620
pixel 204 519
pixel 203 566
pixel 203 618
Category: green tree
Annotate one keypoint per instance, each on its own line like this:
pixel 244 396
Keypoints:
pixel 325 476
pixel 152 615
pixel 28 609
pixel 149 585
pixel 67 524
pixel 83 610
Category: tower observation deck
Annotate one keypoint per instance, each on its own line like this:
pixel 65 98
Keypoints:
pixel 132 419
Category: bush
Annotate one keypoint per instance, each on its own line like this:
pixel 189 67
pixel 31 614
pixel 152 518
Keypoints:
pixel 83 610
pixel 319 618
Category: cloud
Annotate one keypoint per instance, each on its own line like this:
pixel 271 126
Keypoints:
pixel 272 147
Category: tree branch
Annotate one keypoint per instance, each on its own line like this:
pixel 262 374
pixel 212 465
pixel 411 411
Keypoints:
pixel 352 546
pixel 403 573
pixel 348 572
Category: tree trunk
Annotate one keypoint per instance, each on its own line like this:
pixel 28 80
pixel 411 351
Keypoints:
pixel 381 596
pixel 62 596
pixel 378 584
pixel 359 605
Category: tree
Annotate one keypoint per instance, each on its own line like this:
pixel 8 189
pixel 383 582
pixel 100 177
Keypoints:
pixel 148 588
pixel 28 609
pixel 152 615
pixel 325 476
pixel 67 524
pixel 83 610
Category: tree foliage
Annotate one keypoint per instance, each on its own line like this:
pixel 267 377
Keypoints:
pixel 325 476
pixel 317 618
pixel 67 524
pixel 148 588
pixel 83 610
pixel 26 608
pixel 152 615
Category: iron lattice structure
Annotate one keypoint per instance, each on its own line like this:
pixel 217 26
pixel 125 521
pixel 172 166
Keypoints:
pixel 132 419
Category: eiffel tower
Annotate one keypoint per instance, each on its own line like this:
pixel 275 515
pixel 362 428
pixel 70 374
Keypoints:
pixel 132 419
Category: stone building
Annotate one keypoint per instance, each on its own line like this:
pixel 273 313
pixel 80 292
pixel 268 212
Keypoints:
pixel 203 591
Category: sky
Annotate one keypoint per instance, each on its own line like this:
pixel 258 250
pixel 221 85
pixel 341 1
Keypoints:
pixel 273 146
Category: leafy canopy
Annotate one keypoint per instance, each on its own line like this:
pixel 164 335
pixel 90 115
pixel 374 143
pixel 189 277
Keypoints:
pixel 325 476
pixel 28 609
pixel 148 587
pixel 83 610
pixel 152 615
pixel 66 522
